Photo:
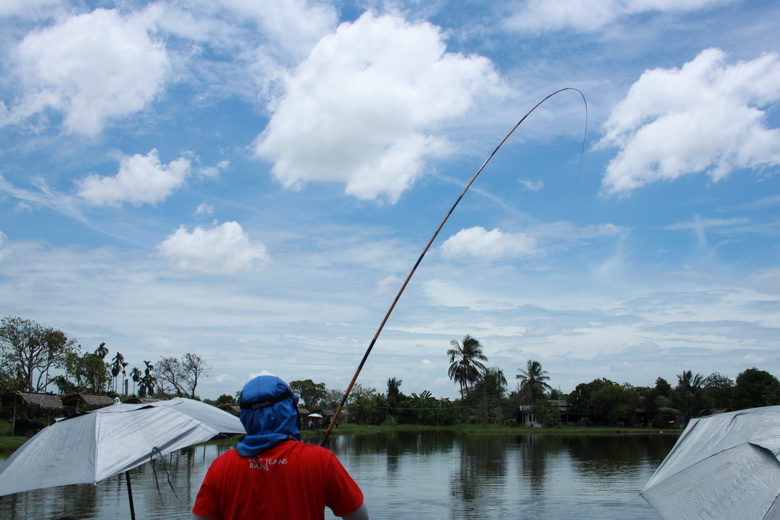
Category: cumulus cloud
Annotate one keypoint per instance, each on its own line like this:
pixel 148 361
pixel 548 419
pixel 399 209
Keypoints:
pixel 292 25
pixel 363 106
pixel 92 67
pixel 590 15
pixel 704 116
pixel 478 242
pixel 141 179
pixel 223 249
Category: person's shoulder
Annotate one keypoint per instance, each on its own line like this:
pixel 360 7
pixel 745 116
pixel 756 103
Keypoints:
pixel 305 448
pixel 227 456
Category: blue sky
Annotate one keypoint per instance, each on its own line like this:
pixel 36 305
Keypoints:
pixel 252 182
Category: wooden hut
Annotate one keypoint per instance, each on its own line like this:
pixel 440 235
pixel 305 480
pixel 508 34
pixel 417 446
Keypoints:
pixel 29 408
pixel 82 402
pixel 343 416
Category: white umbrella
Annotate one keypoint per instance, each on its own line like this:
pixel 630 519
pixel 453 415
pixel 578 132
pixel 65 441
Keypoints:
pixel 96 445
pixel 316 415
pixel 723 466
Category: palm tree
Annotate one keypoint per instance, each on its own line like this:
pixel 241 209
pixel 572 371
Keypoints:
pixel 117 366
pixel 533 381
pixel 124 375
pixel 102 351
pixel 135 375
pixel 148 381
pixel 466 362
pixel 690 382
pixel 685 400
pixel 393 391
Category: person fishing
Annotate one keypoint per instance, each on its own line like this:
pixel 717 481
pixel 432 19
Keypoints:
pixel 271 474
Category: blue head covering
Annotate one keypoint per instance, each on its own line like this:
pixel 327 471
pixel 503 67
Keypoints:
pixel 269 413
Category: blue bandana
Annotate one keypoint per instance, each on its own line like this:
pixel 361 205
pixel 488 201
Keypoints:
pixel 269 413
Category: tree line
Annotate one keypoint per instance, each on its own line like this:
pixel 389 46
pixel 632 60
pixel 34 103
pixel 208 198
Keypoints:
pixel 35 358
pixel 485 397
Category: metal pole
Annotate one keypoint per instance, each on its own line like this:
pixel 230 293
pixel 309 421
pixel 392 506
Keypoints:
pixel 130 495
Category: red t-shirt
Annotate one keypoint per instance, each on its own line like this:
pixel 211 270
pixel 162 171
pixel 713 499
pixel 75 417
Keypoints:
pixel 289 480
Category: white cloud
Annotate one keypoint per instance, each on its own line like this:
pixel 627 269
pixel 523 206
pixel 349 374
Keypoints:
pixel 141 179
pixel 204 209
pixel 224 249
pixel 225 378
pixel 361 109
pixel 590 15
pixel 93 67
pixel 477 242
pixel 292 25
pixel 704 116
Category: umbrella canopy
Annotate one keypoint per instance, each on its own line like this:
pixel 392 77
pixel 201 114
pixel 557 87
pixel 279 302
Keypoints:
pixel 99 444
pixel 316 415
pixel 723 466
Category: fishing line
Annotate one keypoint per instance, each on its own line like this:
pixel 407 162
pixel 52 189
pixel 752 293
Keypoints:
pixel 435 234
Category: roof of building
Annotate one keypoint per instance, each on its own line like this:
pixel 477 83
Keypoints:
pixel 37 400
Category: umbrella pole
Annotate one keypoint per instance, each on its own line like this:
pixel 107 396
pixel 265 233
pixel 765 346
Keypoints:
pixel 130 495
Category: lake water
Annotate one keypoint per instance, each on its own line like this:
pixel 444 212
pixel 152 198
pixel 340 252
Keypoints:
pixel 436 475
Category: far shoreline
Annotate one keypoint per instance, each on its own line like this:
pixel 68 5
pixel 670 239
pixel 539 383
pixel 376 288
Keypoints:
pixel 9 443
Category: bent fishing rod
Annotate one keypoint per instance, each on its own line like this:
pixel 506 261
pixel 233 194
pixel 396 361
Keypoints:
pixel 428 245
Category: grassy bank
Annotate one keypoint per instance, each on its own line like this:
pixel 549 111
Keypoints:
pixel 8 442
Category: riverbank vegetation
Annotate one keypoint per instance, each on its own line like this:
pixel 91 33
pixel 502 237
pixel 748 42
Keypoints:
pixel 34 358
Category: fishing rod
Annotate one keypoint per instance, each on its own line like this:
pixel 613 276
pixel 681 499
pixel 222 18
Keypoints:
pixel 428 245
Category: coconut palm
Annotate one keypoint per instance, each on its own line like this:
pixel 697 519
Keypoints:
pixel 691 383
pixel 393 391
pixel 466 365
pixel 533 381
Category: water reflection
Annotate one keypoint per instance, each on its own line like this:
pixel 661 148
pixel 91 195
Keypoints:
pixel 409 475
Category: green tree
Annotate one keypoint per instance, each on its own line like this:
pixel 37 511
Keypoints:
pixel 312 394
pixel 717 391
pixel 756 388
pixel 332 398
pixel 579 398
pixel 364 405
pixel 613 404
pixel 533 382
pixel 546 413
pixel 30 350
pixel 226 399
pixel 650 399
pixel 466 362
pixel 84 372
pixel 686 399
pixel 487 395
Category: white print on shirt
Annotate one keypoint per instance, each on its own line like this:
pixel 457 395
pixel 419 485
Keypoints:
pixel 265 464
